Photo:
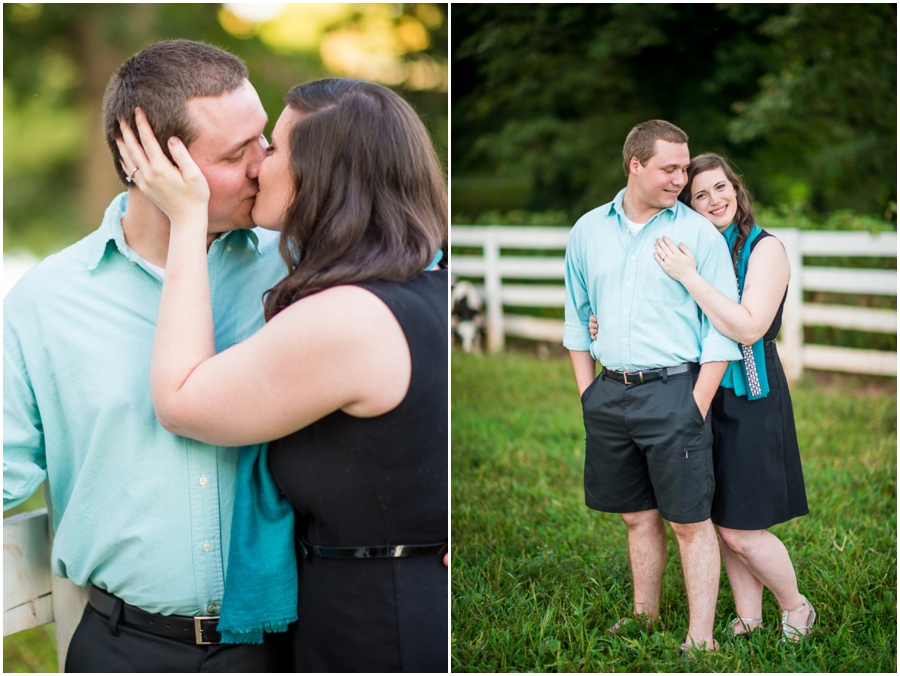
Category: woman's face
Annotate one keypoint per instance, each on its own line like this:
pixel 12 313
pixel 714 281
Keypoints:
pixel 276 184
pixel 713 196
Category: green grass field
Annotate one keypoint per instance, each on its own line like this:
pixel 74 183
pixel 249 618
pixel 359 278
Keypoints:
pixel 537 577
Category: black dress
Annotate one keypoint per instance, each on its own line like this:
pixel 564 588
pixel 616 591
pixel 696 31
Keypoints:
pixel 759 479
pixel 359 482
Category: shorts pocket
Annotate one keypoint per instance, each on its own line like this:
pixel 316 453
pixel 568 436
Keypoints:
pixel 587 390
pixel 697 453
pixel 695 409
pixel 684 483
pixel 695 501
pixel 698 460
pixel 687 398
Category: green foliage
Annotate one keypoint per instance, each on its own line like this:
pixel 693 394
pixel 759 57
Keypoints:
pixel 58 59
pixel 827 110
pixel 802 97
pixel 781 216
pixel 795 216
pixel 550 218
pixel 537 577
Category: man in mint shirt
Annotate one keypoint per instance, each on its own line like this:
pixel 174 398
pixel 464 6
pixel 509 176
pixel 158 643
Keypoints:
pixel 139 513
pixel 648 438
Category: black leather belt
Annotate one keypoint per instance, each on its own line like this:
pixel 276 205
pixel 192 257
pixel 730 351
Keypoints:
pixel 649 375
pixel 196 630
pixel 382 552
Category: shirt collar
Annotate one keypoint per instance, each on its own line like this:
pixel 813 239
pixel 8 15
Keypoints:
pixel 615 207
pixel 250 234
pixel 111 231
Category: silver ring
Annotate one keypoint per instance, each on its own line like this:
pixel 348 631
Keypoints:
pixel 129 179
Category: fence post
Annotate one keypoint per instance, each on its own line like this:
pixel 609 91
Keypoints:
pixel 495 335
pixel 69 600
pixel 790 343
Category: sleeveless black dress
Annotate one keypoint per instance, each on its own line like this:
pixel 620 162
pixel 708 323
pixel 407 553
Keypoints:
pixel 759 479
pixel 359 482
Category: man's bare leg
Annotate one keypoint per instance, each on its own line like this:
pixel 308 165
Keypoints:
pixel 647 551
pixel 701 564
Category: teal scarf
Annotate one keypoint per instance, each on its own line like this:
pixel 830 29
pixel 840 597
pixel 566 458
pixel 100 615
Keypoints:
pixel 748 377
pixel 261 582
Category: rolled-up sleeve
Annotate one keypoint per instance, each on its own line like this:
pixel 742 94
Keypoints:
pixel 576 333
pixel 24 458
pixel 716 268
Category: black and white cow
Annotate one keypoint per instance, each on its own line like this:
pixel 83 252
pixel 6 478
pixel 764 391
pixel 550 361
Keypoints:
pixel 467 318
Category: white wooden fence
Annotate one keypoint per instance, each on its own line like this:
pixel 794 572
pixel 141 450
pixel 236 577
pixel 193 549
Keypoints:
pixel 32 595
pixel 501 272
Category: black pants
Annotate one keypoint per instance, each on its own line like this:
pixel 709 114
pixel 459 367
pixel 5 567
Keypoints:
pixel 96 649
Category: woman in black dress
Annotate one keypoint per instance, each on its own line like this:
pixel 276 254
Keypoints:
pixel 349 375
pixel 759 479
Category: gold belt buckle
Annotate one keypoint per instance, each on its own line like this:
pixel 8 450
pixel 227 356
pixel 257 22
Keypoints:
pixel 640 377
pixel 198 630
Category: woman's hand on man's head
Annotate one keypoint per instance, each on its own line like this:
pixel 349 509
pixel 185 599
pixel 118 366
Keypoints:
pixel 180 190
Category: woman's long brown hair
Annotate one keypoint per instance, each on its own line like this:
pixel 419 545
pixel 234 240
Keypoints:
pixel 743 216
pixel 370 199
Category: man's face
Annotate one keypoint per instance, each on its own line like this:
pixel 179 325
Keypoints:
pixel 229 149
pixel 657 184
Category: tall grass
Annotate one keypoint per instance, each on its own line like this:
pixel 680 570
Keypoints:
pixel 537 577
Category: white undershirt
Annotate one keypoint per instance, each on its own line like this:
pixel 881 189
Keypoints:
pixel 635 228
pixel 158 270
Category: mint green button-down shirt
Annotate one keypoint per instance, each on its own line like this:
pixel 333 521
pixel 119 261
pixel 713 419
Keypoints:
pixel 138 511
pixel 646 318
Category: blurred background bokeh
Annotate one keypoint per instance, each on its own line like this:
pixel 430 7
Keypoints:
pixel 801 97
pixel 57 59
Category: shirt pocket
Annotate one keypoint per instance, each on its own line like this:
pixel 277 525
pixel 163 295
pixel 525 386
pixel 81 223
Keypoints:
pixel 660 289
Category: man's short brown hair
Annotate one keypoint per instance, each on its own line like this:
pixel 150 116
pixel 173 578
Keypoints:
pixel 641 141
pixel 160 80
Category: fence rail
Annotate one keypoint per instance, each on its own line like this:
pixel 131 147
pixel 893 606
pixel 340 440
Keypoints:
pixel 32 595
pixel 503 276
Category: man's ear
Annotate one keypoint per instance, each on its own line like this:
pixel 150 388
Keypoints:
pixel 634 165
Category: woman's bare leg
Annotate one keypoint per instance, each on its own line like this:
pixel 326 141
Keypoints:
pixel 746 588
pixel 764 556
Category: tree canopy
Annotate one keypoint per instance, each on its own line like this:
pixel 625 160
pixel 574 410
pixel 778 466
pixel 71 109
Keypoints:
pixel 58 174
pixel 801 97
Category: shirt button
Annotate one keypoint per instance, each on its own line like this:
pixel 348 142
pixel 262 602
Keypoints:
pixel 203 481
pixel 228 249
pixel 623 340
pixel 627 283
pixel 211 608
pixel 624 312
pixel 632 258
pixel 207 547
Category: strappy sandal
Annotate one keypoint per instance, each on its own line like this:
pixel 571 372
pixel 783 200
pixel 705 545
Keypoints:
pixel 744 621
pixel 795 633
